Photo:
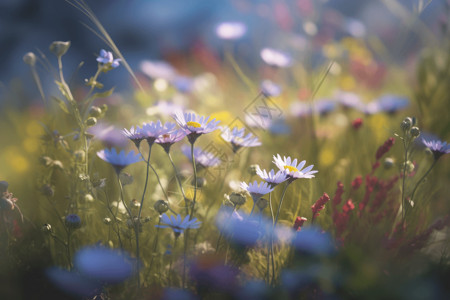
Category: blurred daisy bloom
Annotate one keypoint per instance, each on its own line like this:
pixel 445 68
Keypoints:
pixel 202 158
pixel 168 139
pixel 119 160
pixel 272 178
pixel 231 30
pixel 257 190
pixel 438 147
pixel 153 130
pixel 106 58
pixel 195 125
pixel 136 135
pixel 238 140
pixel 276 58
pixel 177 224
pixel 293 170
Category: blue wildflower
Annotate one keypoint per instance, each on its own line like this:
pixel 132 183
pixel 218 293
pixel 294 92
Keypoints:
pixel 73 283
pixel 106 58
pixel 119 160
pixel 391 103
pixel 177 224
pixel 438 147
pixel 313 241
pixel 73 221
pixel 104 264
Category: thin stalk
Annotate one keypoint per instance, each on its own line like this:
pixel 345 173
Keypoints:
pixel 270 245
pixel 114 217
pixel 179 183
pixel 403 180
pixel 422 178
pixel 195 180
pixel 145 184
pixel 69 256
pixel 171 259
pixel 281 202
pixel 136 228
pixel 275 223
pixel 156 174
pixel 155 244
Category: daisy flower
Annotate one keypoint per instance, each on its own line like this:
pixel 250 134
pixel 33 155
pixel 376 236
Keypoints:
pixel 202 158
pixel 106 58
pixel 276 58
pixel 153 130
pixel 136 135
pixel 195 125
pixel 168 139
pixel 294 170
pixel 119 160
pixel 272 178
pixel 257 190
pixel 238 140
pixel 231 30
pixel 177 224
pixel 438 147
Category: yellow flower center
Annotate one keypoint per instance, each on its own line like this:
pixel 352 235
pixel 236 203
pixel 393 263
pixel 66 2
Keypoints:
pixel 166 136
pixel 291 168
pixel 193 124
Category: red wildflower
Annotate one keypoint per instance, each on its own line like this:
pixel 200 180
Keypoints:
pixel 383 149
pixel 356 183
pixel 357 123
pixel 338 195
pixel 299 223
pixel 319 205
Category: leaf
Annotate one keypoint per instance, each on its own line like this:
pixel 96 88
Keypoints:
pixel 62 105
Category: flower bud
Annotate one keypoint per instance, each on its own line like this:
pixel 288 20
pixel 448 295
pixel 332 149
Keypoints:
pixel 262 203
pixel 30 59
pixel 237 198
pixel 201 182
pixel 59 48
pixel 47 190
pixel 73 221
pixel 46 228
pixel 104 107
pixel 161 206
pixel 388 163
pixel 415 132
pixel 252 169
pixel 147 219
pixel 107 221
pixel 88 198
pixel 95 111
pixel 135 204
pixel 409 166
pixel 406 124
pixel 91 121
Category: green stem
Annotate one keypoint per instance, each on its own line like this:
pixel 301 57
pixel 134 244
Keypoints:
pixel 422 179
pixel 195 180
pixel 404 179
pixel 179 183
pixel 145 184
pixel 136 228
pixel 157 176
pixel 281 202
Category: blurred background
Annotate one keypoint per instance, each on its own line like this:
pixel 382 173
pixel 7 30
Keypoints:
pixel 173 30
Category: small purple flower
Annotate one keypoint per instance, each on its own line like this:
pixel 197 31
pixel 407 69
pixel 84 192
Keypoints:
pixel 73 221
pixel 195 125
pixel 119 160
pixel 177 224
pixel 168 139
pixel 153 130
pixel 203 158
pixel 237 138
pixel 270 89
pixel 106 58
pixel 438 147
